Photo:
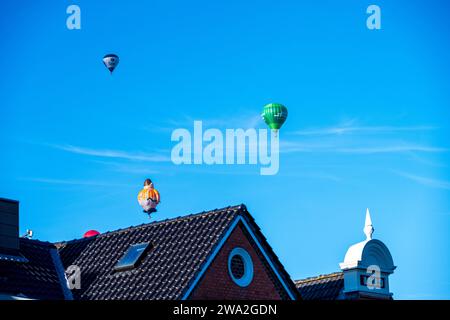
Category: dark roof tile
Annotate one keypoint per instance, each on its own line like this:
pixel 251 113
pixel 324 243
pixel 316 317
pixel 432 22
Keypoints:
pixel 39 278
pixel 181 245
pixel 324 287
pixel 180 248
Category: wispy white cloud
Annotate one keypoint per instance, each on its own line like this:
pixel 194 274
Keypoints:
pixel 131 168
pixel 73 182
pixel 426 181
pixel 390 149
pixel 313 175
pixel 244 121
pixel 105 153
pixel 352 129
pixel 353 137
pixel 361 148
pixel 350 137
pixel 434 162
pixel 158 128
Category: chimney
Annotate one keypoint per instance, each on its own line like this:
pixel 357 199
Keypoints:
pixel 9 226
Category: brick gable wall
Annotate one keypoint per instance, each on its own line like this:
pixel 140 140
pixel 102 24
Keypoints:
pixel 216 283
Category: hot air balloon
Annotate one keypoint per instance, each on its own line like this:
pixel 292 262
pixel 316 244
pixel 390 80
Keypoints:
pixel 149 197
pixel 91 233
pixel 274 114
pixel 111 61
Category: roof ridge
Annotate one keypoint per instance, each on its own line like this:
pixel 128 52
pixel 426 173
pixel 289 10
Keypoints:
pixel 240 207
pixel 9 200
pixel 36 241
pixel 319 277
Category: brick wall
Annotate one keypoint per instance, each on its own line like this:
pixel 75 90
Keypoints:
pixel 217 284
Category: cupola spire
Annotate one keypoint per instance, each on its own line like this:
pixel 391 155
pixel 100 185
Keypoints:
pixel 368 227
pixel 358 263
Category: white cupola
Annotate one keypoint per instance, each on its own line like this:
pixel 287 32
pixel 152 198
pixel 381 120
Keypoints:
pixel 367 266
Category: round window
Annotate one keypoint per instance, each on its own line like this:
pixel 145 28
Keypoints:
pixel 240 267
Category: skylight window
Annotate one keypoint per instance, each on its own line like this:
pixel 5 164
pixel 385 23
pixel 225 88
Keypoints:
pixel 132 256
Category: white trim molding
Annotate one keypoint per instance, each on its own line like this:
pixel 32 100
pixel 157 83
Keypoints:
pixel 247 277
pixel 220 245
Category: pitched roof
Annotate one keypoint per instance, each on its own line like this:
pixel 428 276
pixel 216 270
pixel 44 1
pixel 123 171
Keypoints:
pixel 38 278
pixel 323 287
pixel 180 248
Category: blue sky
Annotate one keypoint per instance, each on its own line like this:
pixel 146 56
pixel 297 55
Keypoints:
pixel 367 127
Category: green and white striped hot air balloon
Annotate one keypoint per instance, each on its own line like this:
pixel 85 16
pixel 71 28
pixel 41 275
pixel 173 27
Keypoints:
pixel 274 115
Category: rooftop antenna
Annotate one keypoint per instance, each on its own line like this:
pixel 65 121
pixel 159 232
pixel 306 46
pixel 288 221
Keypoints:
pixel 28 234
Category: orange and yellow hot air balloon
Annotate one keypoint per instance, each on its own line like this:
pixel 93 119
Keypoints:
pixel 149 197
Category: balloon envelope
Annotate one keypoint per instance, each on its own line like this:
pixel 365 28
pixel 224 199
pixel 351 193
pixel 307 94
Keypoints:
pixel 91 233
pixel 274 114
pixel 111 61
